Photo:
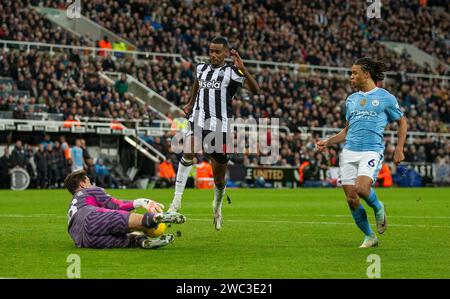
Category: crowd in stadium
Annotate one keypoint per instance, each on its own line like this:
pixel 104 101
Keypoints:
pixel 66 85
pixel 69 85
pixel 18 22
pixel 328 33
pixel 49 162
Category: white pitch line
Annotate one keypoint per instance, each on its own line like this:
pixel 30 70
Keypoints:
pixel 32 215
pixel 393 216
pixel 249 220
pixel 284 215
pixel 349 216
pixel 317 222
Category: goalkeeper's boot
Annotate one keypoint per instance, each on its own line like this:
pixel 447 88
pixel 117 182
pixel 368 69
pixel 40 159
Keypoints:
pixel 170 217
pixel 370 241
pixel 217 213
pixel 381 219
pixel 160 241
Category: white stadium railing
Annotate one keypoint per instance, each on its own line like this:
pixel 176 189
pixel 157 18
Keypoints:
pixel 160 127
pixel 7 44
pixel 256 63
pixel 108 126
pixel 314 68
pixel 112 127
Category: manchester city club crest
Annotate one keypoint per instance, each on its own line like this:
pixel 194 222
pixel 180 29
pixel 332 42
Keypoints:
pixel 375 103
pixel 362 102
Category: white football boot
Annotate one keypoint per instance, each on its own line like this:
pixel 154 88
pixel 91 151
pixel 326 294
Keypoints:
pixel 217 212
pixel 170 217
pixel 138 239
pixel 381 219
pixel 161 241
pixel 370 241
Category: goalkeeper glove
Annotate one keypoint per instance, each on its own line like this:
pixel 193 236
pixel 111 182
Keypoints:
pixel 148 204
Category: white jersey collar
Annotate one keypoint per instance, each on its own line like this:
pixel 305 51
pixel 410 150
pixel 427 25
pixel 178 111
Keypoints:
pixel 369 92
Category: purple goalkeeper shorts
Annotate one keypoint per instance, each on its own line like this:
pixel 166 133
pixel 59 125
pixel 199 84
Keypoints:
pixel 105 228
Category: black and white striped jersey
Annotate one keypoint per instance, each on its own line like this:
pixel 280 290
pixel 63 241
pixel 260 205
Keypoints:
pixel 217 87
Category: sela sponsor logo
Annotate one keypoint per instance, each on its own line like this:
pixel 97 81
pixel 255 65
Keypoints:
pixel 210 84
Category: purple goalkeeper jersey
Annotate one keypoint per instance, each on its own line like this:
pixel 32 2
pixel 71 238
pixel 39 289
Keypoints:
pixel 89 200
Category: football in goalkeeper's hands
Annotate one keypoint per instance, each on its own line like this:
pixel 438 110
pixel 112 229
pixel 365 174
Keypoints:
pixel 156 232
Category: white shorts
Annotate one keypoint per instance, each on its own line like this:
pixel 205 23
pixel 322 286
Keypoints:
pixel 354 164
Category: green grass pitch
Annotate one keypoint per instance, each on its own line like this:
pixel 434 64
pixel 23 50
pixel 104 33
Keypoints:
pixel 302 233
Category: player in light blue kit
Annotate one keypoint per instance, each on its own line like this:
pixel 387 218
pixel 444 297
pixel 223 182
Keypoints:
pixel 368 111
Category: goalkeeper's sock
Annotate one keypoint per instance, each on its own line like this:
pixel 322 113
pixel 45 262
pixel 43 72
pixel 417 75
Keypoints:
pixel 360 216
pixel 372 201
pixel 148 220
pixel 184 168
pixel 135 239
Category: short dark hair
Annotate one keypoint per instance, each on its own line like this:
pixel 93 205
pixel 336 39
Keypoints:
pixel 375 68
pixel 221 40
pixel 73 180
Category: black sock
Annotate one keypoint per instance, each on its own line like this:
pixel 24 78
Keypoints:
pixel 135 241
pixel 148 221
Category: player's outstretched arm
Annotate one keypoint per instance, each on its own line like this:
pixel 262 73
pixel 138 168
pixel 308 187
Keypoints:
pixel 401 135
pixel 109 202
pixel 105 200
pixel 250 81
pixel 338 138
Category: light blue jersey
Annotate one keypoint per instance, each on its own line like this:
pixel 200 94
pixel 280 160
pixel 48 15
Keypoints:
pixel 368 113
pixel 77 156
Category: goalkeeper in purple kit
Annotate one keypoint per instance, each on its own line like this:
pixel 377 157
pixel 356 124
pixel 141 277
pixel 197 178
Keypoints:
pixel 98 220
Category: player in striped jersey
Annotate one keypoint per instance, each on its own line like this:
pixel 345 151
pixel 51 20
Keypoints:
pixel 209 111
